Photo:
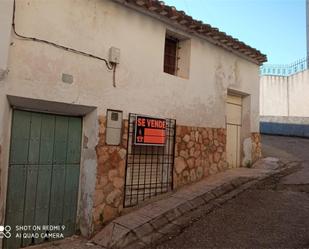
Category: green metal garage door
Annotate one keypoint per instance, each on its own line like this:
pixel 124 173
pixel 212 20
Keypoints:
pixel 43 175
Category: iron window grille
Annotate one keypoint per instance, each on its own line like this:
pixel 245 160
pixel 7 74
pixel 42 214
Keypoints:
pixel 170 55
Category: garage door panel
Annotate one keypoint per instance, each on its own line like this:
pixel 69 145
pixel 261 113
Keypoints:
pixel 42 197
pixel 56 208
pixel 70 198
pixel 15 207
pixel 74 140
pixel 57 195
pixel 47 139
pixel 17 174
pixel 61 140
pixel 20 138
pixel 35 136
pixel 71 184
pixel 20 151
pixel 30 198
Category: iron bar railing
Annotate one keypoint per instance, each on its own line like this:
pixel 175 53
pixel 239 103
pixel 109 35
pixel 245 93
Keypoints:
pixel 149 169
pixel 285 69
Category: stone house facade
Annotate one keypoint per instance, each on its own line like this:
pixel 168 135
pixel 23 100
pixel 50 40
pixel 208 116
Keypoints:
pixel 102 60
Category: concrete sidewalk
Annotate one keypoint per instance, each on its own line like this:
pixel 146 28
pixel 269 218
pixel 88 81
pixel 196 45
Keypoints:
pixel 167 217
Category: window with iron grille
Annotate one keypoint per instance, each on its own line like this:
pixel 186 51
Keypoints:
pixel 177 54
pixel 170 55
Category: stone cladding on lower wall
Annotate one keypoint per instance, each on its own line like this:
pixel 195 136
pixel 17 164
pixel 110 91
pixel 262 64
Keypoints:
pixel 256 146
pixel 199 152
pixel 109 190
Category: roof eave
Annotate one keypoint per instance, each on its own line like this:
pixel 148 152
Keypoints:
pixel 197 28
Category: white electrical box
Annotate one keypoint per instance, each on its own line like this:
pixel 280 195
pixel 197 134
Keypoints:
pixel 113 127
pixel 114 55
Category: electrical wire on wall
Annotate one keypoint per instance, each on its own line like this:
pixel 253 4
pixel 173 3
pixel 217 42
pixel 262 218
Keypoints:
pixel 114 75
pixel 110 66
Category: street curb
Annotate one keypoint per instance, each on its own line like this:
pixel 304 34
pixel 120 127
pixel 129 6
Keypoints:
pixel 160 220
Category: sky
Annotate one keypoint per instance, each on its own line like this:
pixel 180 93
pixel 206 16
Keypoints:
pixel 275 27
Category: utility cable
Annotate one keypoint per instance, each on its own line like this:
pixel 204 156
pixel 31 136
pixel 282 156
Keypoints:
pixel 110 66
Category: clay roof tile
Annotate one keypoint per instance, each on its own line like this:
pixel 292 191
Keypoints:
pixel 204 29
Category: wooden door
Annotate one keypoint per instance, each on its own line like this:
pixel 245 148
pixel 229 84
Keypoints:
pixel 43 177
pixel 233 126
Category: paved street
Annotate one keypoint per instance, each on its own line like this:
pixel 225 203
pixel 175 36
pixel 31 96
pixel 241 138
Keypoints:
pixel 273 214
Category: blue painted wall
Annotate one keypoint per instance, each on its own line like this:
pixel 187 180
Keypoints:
pixel 297 130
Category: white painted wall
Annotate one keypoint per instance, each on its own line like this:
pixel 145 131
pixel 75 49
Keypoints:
pixel 285 96
pixel 273 95
pixel 142 87
pixel 6 7
pixel 298 94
